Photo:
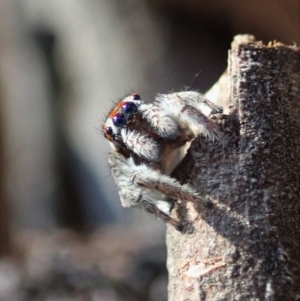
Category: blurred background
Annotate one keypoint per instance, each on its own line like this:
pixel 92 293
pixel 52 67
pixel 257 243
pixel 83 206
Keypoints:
pixel 63 64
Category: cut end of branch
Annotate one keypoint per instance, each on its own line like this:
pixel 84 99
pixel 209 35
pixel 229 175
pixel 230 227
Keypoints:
pixel 253 184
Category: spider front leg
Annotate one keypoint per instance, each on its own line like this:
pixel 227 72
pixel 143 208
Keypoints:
pixel 191 109
pixel 132 194
pixel 146 177
pixel 200 101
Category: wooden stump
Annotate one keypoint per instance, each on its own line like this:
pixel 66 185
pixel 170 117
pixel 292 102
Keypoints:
pixel 246 244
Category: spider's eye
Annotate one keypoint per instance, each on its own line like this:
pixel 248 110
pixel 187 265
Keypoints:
pixel 109 131
pixel 119 120
pixel 129 107
pixel 136 97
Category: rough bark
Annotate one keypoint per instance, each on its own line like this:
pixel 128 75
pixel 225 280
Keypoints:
pixel 246 244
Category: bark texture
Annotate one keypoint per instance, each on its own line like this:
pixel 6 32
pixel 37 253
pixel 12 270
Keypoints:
pixel 246 244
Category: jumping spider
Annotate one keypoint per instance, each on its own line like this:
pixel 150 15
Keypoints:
pixel 148 140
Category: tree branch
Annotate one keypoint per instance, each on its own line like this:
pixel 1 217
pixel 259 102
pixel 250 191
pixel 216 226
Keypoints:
pixel 246 245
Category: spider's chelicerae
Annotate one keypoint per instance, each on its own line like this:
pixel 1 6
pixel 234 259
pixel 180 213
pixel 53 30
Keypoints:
pixel 148 140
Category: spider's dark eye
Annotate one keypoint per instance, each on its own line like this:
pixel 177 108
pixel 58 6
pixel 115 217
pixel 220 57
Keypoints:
pixel 136 97
pixel 129 107
pixel 109 131
pixel 119 120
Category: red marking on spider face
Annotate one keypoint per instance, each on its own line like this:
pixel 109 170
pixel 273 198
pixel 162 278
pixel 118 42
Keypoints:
pixel 116 109
pixel 119 106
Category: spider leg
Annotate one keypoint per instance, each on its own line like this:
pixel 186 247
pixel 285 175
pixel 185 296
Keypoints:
pixel 161 124
pixel 134 195
pixel 197 117
pixel 134 178
pixel 192 109
pixel 197 99
pixel 150 207
pixel 152 179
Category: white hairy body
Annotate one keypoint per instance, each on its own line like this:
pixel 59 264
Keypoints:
pixel 149 140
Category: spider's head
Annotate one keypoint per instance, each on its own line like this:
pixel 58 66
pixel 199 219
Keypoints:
pixel 130 132
pixel 120 117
